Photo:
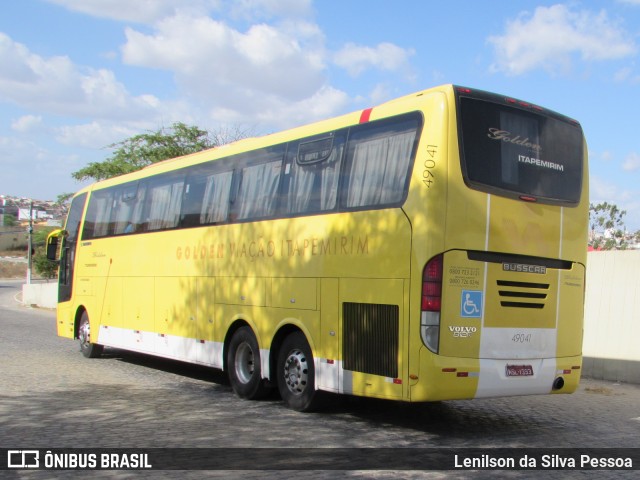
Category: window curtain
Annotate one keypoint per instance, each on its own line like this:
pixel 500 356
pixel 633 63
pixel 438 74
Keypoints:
pixel 379 169
pixel 315 187
pixel 215 205
pixel 165 206
pixel 516 125
pixel 136 216
pixel 257 194
pixel 122 213
pixel 104 205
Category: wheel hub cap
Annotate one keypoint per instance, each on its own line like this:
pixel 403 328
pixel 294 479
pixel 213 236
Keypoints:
pixel 296 372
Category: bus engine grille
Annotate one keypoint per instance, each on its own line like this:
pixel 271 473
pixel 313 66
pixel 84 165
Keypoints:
pixel 522 294
pixel 370 333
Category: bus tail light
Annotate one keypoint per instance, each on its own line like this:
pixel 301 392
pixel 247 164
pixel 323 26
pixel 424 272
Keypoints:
pixel 431 303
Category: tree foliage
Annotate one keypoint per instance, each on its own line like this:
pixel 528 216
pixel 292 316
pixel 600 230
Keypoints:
pixel 43 266
pixel 606 222
pixel 64 199
pixel 9 220
pixel 145 149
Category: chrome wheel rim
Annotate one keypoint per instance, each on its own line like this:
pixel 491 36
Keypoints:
pixel 244 362
pixel 296 372
pixel 84 334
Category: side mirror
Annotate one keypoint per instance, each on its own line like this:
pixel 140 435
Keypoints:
pixel 52 245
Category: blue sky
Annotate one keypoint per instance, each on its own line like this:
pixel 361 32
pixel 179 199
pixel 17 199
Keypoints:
pixel 78 75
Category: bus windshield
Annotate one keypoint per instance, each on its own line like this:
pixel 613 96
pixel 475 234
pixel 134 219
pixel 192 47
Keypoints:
pixel 520 152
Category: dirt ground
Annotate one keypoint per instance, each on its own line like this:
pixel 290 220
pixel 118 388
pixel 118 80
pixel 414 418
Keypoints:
pixel 13 265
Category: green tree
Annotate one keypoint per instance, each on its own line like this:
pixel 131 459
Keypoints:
pixel 43 266
pixel 10 220
pixel 145 149
pixel 606 221
pixel 64 198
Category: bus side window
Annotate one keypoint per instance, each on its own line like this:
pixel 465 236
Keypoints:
pixel 98 214
pixel 215 204
pixel 162 202
pixel 136 219
pixel 193 198
pixel 257 194
pixel 313 169
pixel 123 210
pixel 379 158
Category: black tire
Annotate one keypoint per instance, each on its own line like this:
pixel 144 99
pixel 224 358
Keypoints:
pixel 296 374
pixel 88 349
pixel 245 368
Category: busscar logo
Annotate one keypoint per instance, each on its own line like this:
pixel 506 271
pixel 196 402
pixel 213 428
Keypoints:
pixel 23 459
pixel 521 267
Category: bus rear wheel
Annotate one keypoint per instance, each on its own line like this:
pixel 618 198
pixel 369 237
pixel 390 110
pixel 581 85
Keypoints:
pixel 88 349
pixel 296 374
pixel 243 362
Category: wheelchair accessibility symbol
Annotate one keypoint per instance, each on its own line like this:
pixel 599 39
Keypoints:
pixel 471 304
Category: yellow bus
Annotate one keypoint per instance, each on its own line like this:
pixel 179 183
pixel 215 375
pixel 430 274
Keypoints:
pixel 430 248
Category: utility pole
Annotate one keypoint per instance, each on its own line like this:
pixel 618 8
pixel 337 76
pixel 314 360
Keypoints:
pixel 30 243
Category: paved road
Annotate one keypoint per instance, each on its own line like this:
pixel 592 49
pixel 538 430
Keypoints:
pixel 52 397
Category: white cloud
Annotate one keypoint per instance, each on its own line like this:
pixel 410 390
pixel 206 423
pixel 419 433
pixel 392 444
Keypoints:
pixel 385 56
pixel 151 11
pixel 26 123
pixel 606 156
pixel 56 85
pixel 139 11
pixel 257 9
pixel 605 191
pixel 379 94
pixel 324 103
pixel 631 163
pixel 278 114
pixel 552 36
pixel 627 75
pixel 601 190
pixel 229 70
pixel 94 135
pixel 29 169
pixel 272 75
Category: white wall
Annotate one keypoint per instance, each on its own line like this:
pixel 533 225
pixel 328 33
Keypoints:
pixel 611 344
pixel 43 295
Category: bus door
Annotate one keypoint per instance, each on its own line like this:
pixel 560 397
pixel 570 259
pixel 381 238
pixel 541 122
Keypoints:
pixel 67 241
pixel 68 248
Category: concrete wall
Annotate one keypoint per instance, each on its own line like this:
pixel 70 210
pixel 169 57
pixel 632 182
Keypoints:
pixel 611 346
pixel 43 295
pixel 13 238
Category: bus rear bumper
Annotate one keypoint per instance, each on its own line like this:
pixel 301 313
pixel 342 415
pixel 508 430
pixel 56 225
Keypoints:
pixel 527 377
pixel 450 378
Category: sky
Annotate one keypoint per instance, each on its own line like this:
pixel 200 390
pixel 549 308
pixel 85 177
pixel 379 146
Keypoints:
pixel 79 75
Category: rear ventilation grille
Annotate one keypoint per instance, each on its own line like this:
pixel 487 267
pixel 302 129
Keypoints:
pixel 522 294
pixel 370 334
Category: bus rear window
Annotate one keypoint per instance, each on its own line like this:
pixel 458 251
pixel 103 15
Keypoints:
pixel 520 153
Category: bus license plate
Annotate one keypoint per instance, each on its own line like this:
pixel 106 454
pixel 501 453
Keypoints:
pixel 519 371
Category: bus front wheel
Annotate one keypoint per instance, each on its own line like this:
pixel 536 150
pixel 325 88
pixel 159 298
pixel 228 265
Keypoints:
pixel 296 374
pixel 245 370
pixel 88 349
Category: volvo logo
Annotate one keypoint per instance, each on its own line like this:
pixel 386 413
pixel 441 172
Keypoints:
pixel 462 332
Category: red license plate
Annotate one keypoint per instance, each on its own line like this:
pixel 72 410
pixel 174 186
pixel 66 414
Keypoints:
pixel 519 371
